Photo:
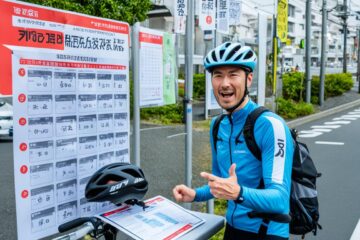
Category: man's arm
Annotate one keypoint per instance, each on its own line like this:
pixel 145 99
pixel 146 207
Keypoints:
pixel 276 144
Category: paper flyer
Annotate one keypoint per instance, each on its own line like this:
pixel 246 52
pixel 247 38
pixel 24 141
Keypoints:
pixel 162 219
pixel 151 65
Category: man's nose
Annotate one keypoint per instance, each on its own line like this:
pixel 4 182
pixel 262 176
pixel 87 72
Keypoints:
pixel 226 81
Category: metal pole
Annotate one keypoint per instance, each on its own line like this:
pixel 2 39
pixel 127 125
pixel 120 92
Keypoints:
pixel 210 203
pixel 358 63
pixel 136 79
pixel 275 46
pixel 189 53
pixel 323 53
pixel 345 37
pixel 177 52
pixel 308 51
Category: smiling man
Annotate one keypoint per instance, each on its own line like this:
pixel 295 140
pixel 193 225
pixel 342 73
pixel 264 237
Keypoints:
pixel 250 183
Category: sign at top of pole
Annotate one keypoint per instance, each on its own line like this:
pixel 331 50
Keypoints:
pixel 282 20
pixel 207 15
pixel 180 12
pixel 223 16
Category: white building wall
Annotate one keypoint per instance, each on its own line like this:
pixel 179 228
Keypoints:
pixel 246 30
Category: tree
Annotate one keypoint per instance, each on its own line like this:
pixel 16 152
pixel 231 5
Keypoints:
pixel 130 11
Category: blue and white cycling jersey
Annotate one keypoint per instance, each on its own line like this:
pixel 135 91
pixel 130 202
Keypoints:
pixel 276 144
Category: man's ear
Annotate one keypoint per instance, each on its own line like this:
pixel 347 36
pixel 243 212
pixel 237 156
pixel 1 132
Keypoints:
pixel 249 79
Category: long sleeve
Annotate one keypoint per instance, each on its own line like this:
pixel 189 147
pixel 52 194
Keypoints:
pixel 275 142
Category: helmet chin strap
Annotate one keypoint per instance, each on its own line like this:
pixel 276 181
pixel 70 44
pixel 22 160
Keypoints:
pixel 231 109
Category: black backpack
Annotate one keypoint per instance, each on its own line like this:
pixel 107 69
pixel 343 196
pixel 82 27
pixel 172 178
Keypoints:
pixel 304 205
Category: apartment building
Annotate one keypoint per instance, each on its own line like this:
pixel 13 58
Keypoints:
pixel 291 54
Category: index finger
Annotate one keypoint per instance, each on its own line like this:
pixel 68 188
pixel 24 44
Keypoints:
pixel 210 177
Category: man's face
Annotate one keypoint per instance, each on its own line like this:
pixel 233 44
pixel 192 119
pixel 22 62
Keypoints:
pixel 229 85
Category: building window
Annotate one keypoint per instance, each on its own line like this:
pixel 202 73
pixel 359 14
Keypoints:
pixel 291 11
pixel 291 27
pixel 302 26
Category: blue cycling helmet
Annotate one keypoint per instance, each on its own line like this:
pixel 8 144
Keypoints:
pixel 233 54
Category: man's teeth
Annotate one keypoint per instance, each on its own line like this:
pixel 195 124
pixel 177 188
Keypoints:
pixel 226 94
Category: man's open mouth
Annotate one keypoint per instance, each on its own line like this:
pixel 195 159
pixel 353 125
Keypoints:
pixel 226 94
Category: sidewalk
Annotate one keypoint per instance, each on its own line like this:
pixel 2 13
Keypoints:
pixel 347 100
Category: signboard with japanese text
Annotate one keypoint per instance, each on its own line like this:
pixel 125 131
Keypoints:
pixel 234 12
pixel 207 12
pixel 223 16
pixel 157 68
pixel 70 87
pixel 180 12
pixel 169 63
pixel 282 20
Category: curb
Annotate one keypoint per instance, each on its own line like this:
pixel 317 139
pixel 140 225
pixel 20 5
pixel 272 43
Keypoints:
pixel 303 120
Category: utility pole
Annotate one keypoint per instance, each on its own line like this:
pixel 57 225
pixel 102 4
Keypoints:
pixel 136 77
pixel 323 53
pixel 189 54
pixel 308 51
pixel 275 49
pixel 345 16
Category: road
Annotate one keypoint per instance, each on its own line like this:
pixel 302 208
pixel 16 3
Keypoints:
pixel 334 146
pixel 162 156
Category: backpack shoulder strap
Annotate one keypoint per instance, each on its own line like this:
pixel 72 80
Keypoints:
pixel 249 131
pixel 215 129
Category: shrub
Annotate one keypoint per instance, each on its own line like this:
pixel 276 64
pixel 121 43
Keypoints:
pixel 199 85
pixel 293 86
pixel 172 113
pixel 337 84
pixel 289 109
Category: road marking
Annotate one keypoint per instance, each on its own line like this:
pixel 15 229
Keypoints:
pixel 321 130
pixel 309 134
pixel 325 127
pixel 329 143
pixel 351 116
pixel 345 118
pixel 337 122
pixel 356 234
pixel 175 135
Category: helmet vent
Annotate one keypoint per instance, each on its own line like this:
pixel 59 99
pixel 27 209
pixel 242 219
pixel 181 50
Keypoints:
pixel 249 55
pixel 112 178
pixel 132 172
pixel 207 60
pixel 232 52
pixel 221 53
pixel 238 57
pixel 227 44
pixel 214 56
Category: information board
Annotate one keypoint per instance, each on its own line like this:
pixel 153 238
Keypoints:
pixel 157 68
pixel 70 86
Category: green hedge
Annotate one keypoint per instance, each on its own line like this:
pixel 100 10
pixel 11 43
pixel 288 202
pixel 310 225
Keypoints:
pixel 172 113
pixel 335 85
pixel 199 86
pixel 292 105
pixel 289 109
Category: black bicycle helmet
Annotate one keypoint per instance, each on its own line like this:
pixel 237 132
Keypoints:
pixel 117 183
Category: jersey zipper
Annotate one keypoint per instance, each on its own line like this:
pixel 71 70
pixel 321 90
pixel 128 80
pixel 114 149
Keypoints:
pixel 231 162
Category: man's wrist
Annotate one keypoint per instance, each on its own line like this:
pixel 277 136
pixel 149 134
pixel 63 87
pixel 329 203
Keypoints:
pixel 240 197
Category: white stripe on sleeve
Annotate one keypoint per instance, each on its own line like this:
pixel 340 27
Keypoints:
pixel 279 150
